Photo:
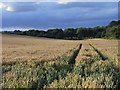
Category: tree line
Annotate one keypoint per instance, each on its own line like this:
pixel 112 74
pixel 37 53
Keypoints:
pixel 110 31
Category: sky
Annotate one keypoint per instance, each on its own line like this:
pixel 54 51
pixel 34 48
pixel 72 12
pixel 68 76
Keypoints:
pixel 47 15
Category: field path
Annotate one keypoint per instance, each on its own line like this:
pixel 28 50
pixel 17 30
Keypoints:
pixel 86 53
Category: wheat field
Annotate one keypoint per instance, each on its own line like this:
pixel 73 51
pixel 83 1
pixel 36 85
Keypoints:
pixel 67 63
pixel 18 48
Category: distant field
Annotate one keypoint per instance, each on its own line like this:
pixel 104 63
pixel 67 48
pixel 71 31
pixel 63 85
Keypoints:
pixel 18 48
pixel 68 64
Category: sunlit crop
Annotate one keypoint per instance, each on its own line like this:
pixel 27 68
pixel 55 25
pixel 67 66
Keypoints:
pixel 48 63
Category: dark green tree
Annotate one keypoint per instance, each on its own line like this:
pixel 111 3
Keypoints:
pixel 70 33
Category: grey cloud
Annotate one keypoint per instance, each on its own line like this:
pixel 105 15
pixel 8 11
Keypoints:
pixel 53 15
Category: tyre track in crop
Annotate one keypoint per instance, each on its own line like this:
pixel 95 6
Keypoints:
pixel 99 53
pixel 46 73
pixel 75 54
pixel 61 69
pixel 90 64
pixel 68 65
pixel 105 58
pixel 70 61
pixel 85 54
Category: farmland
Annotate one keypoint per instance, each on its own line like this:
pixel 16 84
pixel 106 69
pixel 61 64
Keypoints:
pixel 53 63
pixel 17 48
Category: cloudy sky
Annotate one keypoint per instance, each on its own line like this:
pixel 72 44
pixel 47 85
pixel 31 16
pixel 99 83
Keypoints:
pixel 45 15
